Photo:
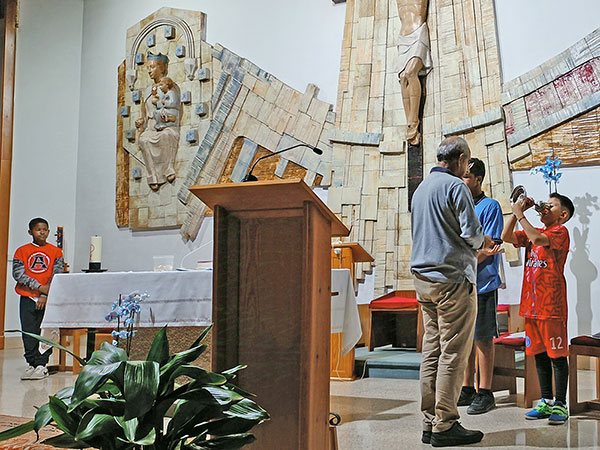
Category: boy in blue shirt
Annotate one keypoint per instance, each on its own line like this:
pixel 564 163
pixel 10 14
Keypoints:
pixel 488 280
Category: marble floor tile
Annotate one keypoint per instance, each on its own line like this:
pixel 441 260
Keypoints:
pixel 377 413
pixel 384 414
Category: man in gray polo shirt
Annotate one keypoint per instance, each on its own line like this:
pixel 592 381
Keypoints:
pixel 446 236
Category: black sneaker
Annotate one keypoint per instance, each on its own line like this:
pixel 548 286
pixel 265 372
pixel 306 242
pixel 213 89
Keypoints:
pixel 467 395
pixel 426 437
pixel 455 436
pixel 482 403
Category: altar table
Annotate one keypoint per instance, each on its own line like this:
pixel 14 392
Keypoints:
pixel 176 298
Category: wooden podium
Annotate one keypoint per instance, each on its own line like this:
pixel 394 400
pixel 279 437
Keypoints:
pixel 272 303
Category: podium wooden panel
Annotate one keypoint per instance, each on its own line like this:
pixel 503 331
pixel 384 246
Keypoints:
pixel 272 305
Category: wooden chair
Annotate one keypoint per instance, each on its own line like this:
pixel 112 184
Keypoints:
pixel 506 373
pixel 583 346
pixel 67 334
pixel 396 319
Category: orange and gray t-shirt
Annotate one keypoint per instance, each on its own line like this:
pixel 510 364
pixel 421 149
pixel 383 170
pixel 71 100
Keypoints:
pixel 34 266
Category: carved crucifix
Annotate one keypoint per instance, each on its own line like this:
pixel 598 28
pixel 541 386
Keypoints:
pixel 414 56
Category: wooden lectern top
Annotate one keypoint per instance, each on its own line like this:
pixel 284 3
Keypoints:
pixel 359 254
pixel 266 195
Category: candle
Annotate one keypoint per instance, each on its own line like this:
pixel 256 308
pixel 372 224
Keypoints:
pixel 95 252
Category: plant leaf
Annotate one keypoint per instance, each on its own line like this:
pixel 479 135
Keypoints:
pixel 231 374
pixel 90 379
pixel 159 351
pixel 64 441
pixel 199 375
pixel 132 428
pixel 239 390
pixel 231 442
pixel 247 409
pixel 223 396
pixel 229 425
pixel 184 414
pixel 42 418
pixel 93 424
pixel 179 359
pixel 202 336
pixel 140 387
pixel 65 421
pixel 17 431
pixel 107 354
pixel 234 369
pixel 112 406
pixel 65 393
pixel 50 343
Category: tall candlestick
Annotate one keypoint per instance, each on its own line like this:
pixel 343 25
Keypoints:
pixel 95 252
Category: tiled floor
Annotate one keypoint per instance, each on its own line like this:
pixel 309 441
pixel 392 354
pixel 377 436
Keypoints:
pixel 382 413
pixel 377 413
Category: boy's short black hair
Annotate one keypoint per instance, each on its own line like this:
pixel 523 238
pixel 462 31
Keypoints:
pixel 477 168
pixel 565 202
pixel 34 222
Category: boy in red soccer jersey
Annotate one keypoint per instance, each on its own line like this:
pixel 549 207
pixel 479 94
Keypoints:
pixel 544 299
pixel 34 265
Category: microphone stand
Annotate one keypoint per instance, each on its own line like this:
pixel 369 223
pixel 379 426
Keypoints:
pixel 251 177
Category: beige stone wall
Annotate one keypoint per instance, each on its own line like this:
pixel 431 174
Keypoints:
pixel 463 96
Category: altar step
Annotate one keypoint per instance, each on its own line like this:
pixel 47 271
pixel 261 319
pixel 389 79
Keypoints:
pixel 387 362
pixel 390 362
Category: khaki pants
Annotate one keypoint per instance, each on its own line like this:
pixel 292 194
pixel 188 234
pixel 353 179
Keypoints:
pixel 449 311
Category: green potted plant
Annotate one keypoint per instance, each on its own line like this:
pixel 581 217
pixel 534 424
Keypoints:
pixel 117 404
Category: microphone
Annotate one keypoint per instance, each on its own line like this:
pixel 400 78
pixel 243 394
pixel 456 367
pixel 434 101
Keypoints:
pixel 251 177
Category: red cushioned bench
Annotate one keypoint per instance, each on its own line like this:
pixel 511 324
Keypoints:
pixel 395 318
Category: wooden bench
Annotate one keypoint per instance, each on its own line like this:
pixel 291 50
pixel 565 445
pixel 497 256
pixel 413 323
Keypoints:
pixel 75 335
pixel 583 346
pixel 506 372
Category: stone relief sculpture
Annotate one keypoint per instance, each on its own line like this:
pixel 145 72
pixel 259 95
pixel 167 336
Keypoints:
pixel 414 56
pixel 159 123
pixel 191 113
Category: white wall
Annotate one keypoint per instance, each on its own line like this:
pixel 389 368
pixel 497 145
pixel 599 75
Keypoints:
pixel 583 262
pixel 46 121
pixel 531 32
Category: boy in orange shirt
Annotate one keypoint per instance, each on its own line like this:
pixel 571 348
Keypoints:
pixel 544 298
pixel 34 265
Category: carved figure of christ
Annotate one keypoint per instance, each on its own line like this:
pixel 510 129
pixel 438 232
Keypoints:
pixel 415 60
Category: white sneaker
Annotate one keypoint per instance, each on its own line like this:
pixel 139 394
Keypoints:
pixel 28 372
pixel 39 373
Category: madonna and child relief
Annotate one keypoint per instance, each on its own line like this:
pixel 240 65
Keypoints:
pixel 159 123
pixel 159 126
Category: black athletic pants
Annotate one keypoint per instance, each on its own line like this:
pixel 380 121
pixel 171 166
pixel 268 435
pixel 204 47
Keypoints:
pixel 544 365
pixel 31 320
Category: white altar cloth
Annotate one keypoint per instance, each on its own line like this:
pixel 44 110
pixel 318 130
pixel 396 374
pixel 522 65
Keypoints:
pixel 178 299
pixel 81 300
pixel 344 310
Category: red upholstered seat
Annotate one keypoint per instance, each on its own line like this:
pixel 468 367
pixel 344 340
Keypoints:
pixel 503 308
pixel 506 339
pixel 394 303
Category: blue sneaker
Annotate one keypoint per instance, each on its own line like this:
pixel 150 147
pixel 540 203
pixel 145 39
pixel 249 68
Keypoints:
pixel 543 410
pixel 559 414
